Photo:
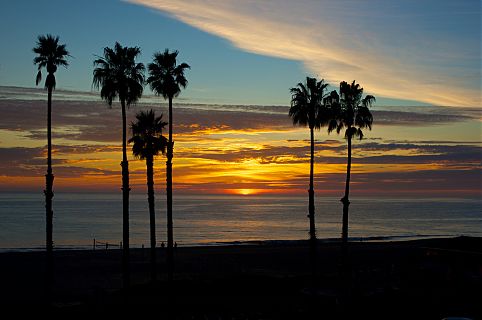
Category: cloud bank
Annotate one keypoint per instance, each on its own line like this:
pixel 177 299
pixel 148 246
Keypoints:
pixel 424 51
pixel 84 120
pixel 222 148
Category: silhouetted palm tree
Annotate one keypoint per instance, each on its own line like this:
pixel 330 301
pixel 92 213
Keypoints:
pixel 148 142
pixel 307 109
pixel 166 78
pixel 119 76
pixel 353 115
pixel 50 55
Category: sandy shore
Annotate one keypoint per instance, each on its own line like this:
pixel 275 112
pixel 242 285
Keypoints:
pixel 428 279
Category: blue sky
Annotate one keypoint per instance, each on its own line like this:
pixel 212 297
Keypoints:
pixel 220 72
pixel 252 52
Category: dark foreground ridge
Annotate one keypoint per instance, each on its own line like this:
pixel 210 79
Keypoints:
pixel 420 279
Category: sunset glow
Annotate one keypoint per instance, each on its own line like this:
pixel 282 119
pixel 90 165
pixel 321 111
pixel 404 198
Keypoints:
pixel 268 156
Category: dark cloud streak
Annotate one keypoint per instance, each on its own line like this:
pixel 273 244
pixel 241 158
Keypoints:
pixel 95 121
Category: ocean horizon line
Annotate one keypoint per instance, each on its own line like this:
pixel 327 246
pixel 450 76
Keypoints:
pixel 399 196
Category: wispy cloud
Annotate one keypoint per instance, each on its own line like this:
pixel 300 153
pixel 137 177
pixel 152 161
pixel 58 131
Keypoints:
pixel 428 52
pixel 89 121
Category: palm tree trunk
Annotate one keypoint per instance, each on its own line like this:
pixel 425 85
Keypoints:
pixel 170 236
pixel 311 208
pixel 125 202
pixel 49 181
pixel 311 192
pixel 346 203
pixel 152 216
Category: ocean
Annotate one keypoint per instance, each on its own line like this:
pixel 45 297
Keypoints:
pixel 79 218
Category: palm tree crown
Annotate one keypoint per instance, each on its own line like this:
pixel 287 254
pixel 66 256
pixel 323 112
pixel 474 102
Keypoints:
pixel 166 77
pixel 306 103
pixel 354 113
pixel 147 135
pixel 50 54
pixel 118 75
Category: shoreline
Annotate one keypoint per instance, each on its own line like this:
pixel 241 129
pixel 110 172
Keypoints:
pixel 321 241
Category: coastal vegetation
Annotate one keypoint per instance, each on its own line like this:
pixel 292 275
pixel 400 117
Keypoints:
pixel 166 78
pixel 147 142
pixel 352 114
pixel 119 76
pixel 50 54
pixel 307 109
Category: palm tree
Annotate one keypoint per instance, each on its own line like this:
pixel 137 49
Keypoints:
pixel 353 115
pixel 119 76
pixel 50 55
pixel 148 142
pixel 307 110
pixel 166 78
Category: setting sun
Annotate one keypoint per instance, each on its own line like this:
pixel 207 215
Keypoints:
pixel 246 192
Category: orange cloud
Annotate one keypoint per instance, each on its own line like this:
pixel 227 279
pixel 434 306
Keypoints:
pixel 261 159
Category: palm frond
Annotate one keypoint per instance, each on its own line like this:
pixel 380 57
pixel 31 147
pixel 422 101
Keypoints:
pixel 38 78
pixel 363 118
pixel 118 75
pixel 307 106
pixel 368 100
pixel 359 133
pixel 166 77
pixel 50 55
pixel 147 137
pixel 354 109
pixel 332 125
pixel 350 132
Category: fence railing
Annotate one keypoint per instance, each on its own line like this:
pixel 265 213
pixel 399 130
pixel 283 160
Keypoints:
pixel 96 244
pixel 105 245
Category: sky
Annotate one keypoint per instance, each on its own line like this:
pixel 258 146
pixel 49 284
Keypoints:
pixel 421 59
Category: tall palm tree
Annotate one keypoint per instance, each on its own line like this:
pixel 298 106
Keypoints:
pixel 119 76
pixel 50 55
pixel 353 115
pixel 307 109
pixel 166 78
pixel 148 142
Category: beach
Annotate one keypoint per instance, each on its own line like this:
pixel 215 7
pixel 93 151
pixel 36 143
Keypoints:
pixel 429 279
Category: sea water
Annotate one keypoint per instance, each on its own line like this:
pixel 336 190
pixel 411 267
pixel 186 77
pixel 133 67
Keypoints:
pixel 79 218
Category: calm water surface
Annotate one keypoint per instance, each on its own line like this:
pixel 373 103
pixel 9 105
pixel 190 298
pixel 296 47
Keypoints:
pixel 81 217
